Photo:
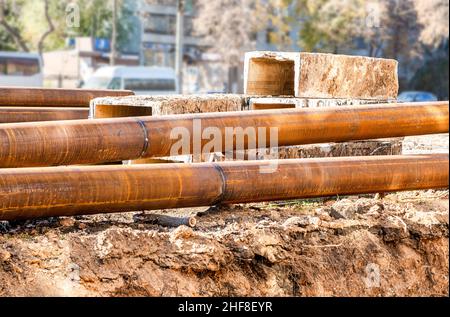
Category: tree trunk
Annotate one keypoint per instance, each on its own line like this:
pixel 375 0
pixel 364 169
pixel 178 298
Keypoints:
pixel 51 27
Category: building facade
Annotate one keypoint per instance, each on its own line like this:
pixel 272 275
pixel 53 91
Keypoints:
pixel 158 25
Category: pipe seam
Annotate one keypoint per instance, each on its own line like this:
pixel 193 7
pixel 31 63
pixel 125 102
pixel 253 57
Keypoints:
pixel 223 177
pixel 146 139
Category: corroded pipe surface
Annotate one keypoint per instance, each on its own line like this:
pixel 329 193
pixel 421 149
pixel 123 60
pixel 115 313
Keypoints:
pixel 35 114
pixel 63 191
pixel 110 140
pixel 53 97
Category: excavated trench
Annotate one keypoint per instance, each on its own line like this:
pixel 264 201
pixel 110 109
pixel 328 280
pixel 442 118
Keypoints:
pixel 395 245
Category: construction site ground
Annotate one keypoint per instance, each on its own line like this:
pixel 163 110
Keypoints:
pixel 393 244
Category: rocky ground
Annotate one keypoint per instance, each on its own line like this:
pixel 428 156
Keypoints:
pixel 395 245
pixel 371 245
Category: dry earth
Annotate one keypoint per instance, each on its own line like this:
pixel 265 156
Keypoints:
pixel 355 246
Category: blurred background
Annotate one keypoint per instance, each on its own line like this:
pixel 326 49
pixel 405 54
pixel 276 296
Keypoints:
pixel 198 46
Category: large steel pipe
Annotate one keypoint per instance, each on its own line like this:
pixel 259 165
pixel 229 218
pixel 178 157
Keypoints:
pixel 53 97
pixel 34 114
pixel 62 191
pixel 110 140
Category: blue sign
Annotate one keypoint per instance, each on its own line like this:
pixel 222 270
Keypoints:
pixel 102 45
pixel 70 42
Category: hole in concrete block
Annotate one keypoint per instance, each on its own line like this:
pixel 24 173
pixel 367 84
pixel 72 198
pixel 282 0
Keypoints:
pixel 271 77
pixel 268 106
pixel 121 111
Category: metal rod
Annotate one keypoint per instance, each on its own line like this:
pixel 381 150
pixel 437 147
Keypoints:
pixel 64 191
pixel 179 37
pixel 167 220
pixel 34 114
pixel 46 97
pixel 113 57
pixel 118 139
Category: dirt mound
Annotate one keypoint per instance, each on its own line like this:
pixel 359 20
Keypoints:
pixel 356 246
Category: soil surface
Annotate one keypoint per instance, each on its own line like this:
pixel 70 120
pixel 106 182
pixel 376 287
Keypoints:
pixel 393 245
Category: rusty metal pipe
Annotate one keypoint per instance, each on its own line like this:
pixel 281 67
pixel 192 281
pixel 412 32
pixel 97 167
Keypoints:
pixel 64 191
pixel 53 97
pixel 110 140
pixel 35 114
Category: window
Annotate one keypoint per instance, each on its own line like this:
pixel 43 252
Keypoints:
pixel 150 84
pixel 2 66
pixel 188 26
pixel 18 66
pixel 270 32
pixel 115 83
pixel 160 24
pixel 97 83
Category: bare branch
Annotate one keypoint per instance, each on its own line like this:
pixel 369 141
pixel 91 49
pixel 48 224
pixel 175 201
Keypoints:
pixel 51 27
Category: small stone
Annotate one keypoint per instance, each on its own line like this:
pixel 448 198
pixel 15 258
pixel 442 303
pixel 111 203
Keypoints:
pixel 82 226
pixel 4 255
pixel 323 214
pixel 220 222
pixel 301 221
pixel 275 215
pixel 245 254
pixel 375 210
pixel 379 196
pixel 394 229
pixel 4 225
pixel 141 226
pixel 66 222
pixel 325 217
pixel 51 235
pixel 182 232
pixel 347 208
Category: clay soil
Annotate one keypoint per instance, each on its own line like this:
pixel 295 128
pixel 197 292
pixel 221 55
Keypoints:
pixel 393 245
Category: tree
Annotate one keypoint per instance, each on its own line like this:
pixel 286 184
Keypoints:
pixel 433 75
pixel 41 24
pixel 10 13
pixel 228 26
pixel 400 29
pixel 329 25
pixel 433 15
pixel 434 38
pixel 280 18
pixel 96 20
pixel 6 42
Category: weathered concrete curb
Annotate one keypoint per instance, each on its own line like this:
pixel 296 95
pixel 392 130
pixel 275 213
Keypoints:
pixel 315 75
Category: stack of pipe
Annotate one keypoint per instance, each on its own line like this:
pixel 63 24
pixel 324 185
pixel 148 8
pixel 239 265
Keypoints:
pixel 40 104
pixel 119 139
pixel 37 189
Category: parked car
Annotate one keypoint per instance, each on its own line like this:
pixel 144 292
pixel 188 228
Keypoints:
pixel 21 69
pixel 141 80
pixel 410 96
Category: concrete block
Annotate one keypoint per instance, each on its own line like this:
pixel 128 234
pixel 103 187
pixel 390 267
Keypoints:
pixel 171 104
pixel 265 103
pixel 316 75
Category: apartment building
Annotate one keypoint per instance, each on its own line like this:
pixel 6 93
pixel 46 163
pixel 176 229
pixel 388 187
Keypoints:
pixel 158 24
